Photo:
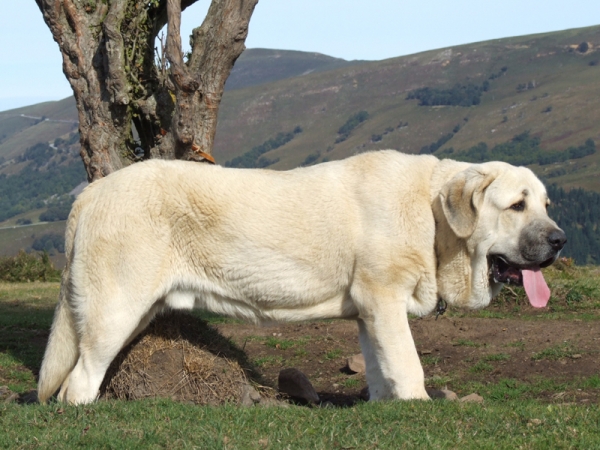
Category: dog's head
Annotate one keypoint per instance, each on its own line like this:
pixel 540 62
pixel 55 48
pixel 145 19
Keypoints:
pixel 499 211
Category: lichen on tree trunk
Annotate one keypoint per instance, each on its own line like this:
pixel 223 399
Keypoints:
pixel 109 58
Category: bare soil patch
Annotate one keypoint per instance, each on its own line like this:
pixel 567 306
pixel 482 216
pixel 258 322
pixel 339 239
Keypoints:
pixel 183 358
pixel 453 351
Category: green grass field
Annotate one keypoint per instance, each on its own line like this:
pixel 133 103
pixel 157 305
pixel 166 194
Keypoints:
pixel 393 425
pixel 510 417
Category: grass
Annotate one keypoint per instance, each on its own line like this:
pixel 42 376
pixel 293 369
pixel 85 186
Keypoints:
pixel 351 382
pixel 300 353
pixel 26 311
pixel 439 381
pixel 497 357
pixel 539 390
pixel 435 424
pixel 11 368
pixel 575 295
pixel 430 360
pixel 517 344
pixel 280 344
pixel 466 343
pixel 556 352
pixel 333 354
pixel 481 366
pixel 516 414
pixel 592 382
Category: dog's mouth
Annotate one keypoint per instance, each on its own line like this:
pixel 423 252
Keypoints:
pixel 530 277
pixel 503 272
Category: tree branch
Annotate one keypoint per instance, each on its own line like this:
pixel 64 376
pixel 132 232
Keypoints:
pixel 116 82
pixel 174 54
pixel 108 58
pixel 216 45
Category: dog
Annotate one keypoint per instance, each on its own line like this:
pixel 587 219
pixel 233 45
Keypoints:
pixel 371 238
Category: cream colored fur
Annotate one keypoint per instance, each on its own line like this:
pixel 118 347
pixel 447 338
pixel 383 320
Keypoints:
pixel 371 238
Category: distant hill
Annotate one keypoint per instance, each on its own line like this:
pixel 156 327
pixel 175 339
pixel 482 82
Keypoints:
pixel 24 127
pixel 546 84
pixel 44 122
pixel 535 95
pixel 258 66
pixel 549 87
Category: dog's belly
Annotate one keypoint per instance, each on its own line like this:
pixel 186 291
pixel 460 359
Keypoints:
pixel 258 284
pixel 269 309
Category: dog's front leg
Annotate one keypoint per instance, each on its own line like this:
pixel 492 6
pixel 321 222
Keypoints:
pixel 393 366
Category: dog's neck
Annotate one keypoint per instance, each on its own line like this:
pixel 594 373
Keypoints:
pixel 462 274
pixel 454 271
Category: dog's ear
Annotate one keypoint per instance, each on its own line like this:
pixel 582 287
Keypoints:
pixel 462 198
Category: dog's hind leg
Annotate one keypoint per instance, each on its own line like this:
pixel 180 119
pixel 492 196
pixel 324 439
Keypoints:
pixel 102 335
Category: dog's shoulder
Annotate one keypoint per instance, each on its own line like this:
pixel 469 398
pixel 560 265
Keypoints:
pixel 393 157
pixel 390 163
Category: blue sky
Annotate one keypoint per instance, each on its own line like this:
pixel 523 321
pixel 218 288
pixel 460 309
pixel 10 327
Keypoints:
pixel 31 67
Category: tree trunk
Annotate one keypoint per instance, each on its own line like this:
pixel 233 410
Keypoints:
pixel 118 79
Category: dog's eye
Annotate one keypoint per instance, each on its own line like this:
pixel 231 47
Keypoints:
pixel 519 206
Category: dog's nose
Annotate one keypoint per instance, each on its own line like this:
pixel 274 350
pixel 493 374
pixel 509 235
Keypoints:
pixel 557 239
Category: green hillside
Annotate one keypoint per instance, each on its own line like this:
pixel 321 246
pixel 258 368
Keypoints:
pixel 15 238
pixel 24 127
pixel 528 100
pixel 543 84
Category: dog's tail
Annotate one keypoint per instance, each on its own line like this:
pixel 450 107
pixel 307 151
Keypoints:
pixel 62 350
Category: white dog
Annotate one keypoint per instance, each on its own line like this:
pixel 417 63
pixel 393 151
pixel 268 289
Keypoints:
pixel 371 238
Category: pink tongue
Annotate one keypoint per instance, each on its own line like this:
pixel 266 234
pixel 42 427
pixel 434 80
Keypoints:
pixel 536 288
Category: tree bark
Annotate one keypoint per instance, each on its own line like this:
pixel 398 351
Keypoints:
pixel 119 80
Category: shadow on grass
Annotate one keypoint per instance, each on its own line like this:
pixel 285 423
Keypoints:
pixel 24 332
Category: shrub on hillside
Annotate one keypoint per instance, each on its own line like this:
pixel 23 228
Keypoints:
pixel 431 148
pixel 311 159
pixel 29 188
pixel 55 213
pixel 523 150
pixel 39 153
pixel 352 122
pixel 49 242
pixel 254 158
pixel 459 95
pixel 25 267
pixel 58 209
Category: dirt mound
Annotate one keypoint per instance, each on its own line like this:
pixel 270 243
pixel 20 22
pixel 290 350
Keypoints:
pixel 180 357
